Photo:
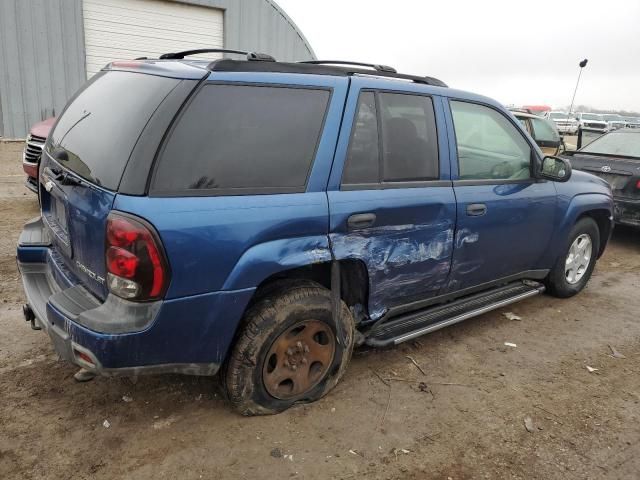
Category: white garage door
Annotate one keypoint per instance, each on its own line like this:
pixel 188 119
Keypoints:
pixel 126 29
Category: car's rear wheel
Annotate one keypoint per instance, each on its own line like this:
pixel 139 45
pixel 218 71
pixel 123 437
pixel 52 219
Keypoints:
pixel 575 265
pixel 291 350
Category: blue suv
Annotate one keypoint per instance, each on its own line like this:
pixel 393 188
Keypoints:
pixel 262 218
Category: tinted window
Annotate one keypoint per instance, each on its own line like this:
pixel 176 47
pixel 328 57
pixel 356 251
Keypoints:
pixel 362 165
pixel 489 146
pixel 242 139
pixel 410 145
pixel 97 132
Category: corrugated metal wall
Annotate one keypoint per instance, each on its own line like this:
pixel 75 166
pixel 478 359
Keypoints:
pixel 42 55
pixel 41 60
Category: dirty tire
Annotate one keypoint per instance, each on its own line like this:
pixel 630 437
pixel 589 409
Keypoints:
pixel 265 322
pixel 556 282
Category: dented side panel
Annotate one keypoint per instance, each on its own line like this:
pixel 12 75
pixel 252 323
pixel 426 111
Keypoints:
pixel 408 249
pixel 513 235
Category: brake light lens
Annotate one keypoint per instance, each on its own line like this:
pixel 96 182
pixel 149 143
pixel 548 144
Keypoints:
pixel 136 265
pixel 638 184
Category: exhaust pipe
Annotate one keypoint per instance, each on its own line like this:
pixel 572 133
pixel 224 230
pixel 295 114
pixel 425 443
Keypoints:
pixel 28 313
pixel 29 316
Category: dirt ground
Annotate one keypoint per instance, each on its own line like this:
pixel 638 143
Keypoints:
pixel 463 418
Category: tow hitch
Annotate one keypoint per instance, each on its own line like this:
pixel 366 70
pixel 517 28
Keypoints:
pixel 29 316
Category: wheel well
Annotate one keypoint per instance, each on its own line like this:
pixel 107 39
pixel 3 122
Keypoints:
pixel 602 219
pixel 354 281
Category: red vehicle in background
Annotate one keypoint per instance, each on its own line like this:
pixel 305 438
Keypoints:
pixel 33 150
pixel 537 109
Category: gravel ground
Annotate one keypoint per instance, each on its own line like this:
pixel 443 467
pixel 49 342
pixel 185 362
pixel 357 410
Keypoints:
pixel 464 418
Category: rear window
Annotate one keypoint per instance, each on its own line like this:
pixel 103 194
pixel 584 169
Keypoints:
pixel 240 139
pixel 98 130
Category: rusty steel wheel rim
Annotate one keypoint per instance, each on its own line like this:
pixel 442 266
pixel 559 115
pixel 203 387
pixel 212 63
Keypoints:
pixel 298 359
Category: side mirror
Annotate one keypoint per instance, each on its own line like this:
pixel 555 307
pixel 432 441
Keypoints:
pixel 555 169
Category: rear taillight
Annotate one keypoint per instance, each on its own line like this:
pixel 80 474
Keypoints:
pixel 136 265
pixel 638 184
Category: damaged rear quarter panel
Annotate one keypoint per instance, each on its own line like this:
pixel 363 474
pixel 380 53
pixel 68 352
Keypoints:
pixel 235 242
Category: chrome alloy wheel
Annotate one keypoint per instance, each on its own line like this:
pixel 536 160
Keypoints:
pixel 578 259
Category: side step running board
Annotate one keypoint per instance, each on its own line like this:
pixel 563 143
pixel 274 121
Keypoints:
pixel 411 325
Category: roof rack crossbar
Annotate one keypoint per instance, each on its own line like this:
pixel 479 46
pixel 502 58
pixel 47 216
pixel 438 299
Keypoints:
pixel 377 67
pixel 187 53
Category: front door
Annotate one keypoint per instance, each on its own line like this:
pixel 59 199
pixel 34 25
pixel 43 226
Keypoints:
pixel 505 217
pixel 391 201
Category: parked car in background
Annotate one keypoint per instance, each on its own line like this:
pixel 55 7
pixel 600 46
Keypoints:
pixel 614 121
pixel 632 122
pixel 190 223
pixel 543 131
pixel 592 121
pixel 565 123
pixel 537 109
pixel 33 150
pixel 615 157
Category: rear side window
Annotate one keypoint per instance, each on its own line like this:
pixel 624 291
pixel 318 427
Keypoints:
pixel 410 146
pixel 98 130
pixel 394 139
pixel 239 139
pixel 363 160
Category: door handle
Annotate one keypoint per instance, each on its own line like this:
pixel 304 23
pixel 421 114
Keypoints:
pixel 361 220
pixel 476 209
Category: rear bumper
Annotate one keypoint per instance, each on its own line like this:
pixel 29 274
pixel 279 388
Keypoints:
pixel 627 211
pixel 188 335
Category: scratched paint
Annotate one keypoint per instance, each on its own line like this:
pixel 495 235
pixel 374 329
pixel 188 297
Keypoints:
pixel 404 262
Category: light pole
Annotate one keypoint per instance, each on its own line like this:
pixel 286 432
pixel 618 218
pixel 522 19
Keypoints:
pixel 582 64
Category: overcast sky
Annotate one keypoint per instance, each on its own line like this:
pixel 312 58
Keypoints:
pixel 514 51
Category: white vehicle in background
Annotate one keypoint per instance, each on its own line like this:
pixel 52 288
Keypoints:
pixel 615 121
pixel 592 121
pixel 632 122
pixel 565 122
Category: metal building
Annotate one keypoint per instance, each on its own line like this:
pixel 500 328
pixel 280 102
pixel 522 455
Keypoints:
pixel 48 48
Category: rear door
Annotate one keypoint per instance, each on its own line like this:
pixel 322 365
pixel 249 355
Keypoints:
pixel 391 201
pixel 83 163
pixel 505 217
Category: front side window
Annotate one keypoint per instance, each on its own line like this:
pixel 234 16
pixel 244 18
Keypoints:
pixel 239 139
pixel 394 139
pixel 489 146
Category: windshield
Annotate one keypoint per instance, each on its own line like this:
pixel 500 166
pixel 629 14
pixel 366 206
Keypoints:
pixel 616 143
pixel 559 115
pixel 98 130
pixel 592 116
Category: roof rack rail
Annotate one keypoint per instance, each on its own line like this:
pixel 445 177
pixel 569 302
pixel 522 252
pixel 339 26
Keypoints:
pixel 188 53
pixel 377 67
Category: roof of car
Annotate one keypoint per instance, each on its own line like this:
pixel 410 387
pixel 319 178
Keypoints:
pixel 193 68
pixel 175 66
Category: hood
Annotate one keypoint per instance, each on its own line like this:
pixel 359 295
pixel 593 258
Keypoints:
pixel 42 129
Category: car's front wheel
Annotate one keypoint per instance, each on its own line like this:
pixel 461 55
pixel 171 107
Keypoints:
pixel 291 350
pixel 575 265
